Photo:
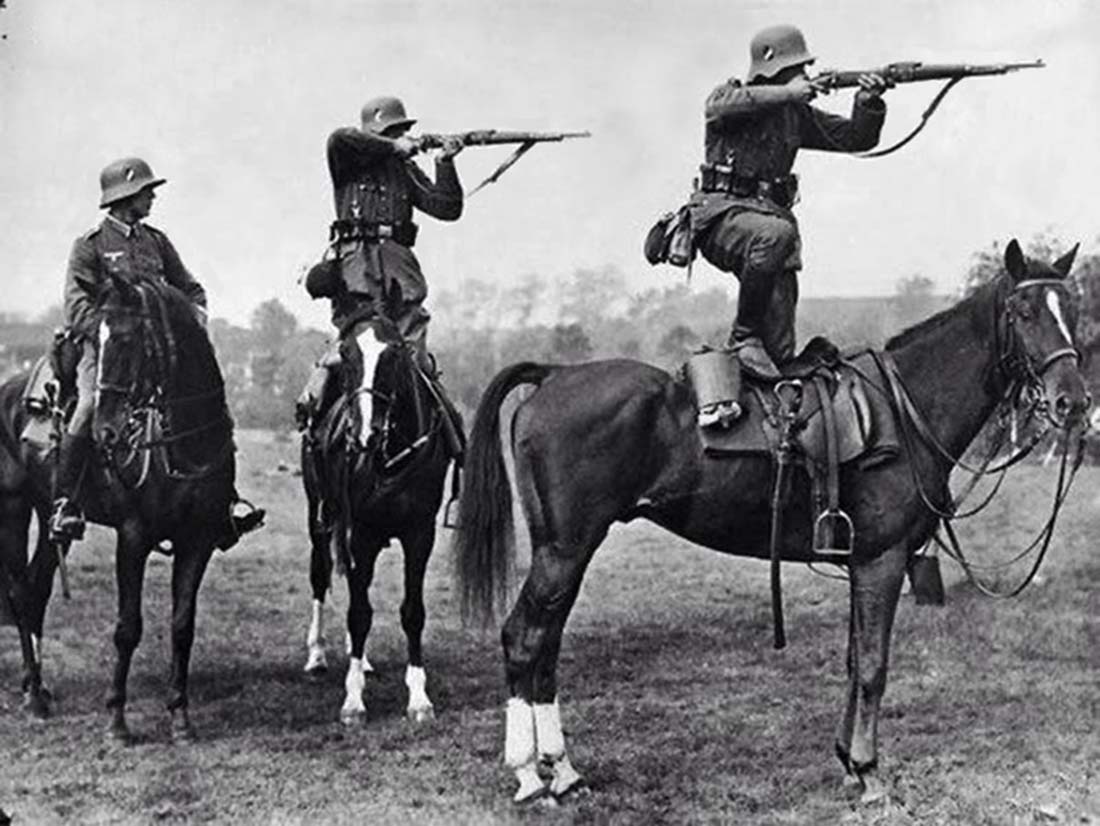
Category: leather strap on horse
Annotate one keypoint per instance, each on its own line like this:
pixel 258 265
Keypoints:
pixel 784 457
pixel 832 458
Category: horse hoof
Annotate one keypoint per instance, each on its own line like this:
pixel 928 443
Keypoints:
pixel 316 673
pixel 540 798
pixel 417 716
pixel 353 719
pixel 183 734
pixel 38 704
pixel 874 791
pixel 119 733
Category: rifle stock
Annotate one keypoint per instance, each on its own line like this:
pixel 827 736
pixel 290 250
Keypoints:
pixel 913 72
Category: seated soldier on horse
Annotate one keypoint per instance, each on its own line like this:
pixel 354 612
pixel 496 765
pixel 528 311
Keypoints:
pixel 741 216
pixel 370 273
pixel 121 246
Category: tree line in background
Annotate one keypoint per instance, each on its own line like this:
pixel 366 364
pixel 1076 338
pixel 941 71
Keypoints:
pixel 480 328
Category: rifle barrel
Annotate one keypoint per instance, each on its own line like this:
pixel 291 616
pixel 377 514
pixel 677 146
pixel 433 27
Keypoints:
pixel 912 72
pixel 489 137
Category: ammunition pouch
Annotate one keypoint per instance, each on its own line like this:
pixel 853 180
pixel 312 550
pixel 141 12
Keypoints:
pixel 671 240
pixel 781 191
pixel 368 232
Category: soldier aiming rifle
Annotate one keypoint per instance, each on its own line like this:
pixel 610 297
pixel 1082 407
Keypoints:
pixel 370 272
pixel 740 214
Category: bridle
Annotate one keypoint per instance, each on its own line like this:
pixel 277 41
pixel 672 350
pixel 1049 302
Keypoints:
pixel 1022 375
pixel 149 403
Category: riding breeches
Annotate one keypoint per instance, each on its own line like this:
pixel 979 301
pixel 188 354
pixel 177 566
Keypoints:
pixel 80 423
pixel 763 251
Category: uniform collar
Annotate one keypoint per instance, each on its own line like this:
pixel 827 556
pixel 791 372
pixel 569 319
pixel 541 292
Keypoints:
pixel 121 227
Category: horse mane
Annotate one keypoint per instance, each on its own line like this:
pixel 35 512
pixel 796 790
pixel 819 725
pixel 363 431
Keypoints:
pixel 934 322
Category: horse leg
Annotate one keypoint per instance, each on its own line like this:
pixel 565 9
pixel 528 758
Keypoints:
pixel 532 642
pixel 131 554
pixel 320 580
pixel 15 516
pixel 418 548
pixel 875 586
pixel 188 568
pixel 364 553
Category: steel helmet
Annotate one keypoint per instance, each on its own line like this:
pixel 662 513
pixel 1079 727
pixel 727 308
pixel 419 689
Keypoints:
pixel 777 48
pixel 382 113
pixel 124 178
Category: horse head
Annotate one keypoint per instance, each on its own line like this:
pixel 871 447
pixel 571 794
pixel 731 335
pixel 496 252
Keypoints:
pixel 121 344
pixel 1040 314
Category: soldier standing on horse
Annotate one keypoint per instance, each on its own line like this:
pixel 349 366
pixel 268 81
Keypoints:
pixel 121 246
pixel 741 213
pixel 372 277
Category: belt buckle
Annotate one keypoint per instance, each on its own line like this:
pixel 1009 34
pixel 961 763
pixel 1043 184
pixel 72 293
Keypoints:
pixel 385 231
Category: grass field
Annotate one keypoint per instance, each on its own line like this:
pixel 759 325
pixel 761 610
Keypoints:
pixel 676 706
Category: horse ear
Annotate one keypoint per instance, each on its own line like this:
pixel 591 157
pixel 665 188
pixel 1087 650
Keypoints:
pixel 1014 260
pixel 1065 263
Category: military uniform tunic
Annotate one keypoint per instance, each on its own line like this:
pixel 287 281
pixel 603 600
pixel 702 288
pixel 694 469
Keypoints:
pixel 751 235
pixel 377 190
pixel 135 253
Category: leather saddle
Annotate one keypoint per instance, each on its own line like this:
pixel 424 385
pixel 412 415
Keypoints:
pixel 864 422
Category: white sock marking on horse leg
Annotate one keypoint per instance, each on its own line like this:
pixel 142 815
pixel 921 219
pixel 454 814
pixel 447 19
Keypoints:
pixel 551 747
pixel 548 734
pixel 354 684
pixel 315 639
pixel 1056 310
pixel 367 667
pixel 519 748
pixel 416 680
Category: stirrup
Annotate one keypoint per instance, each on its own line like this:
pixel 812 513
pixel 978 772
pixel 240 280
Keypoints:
pixel 825 530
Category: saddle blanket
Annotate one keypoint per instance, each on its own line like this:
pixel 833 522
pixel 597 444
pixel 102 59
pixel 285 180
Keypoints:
pixel 866 429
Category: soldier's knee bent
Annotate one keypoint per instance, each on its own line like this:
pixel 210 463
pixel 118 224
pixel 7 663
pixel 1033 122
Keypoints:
pixel 772 245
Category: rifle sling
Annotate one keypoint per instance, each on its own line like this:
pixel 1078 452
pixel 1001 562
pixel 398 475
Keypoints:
pixel 924 118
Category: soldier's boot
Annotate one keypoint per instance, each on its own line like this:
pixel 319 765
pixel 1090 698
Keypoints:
pixel 67 520
pixel 753 301
pixel 241 518
pixel 754 357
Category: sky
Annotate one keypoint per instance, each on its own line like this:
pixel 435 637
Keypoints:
pixel 232 102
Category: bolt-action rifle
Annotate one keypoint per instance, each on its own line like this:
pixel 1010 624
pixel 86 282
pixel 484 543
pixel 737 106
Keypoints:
pixel 913 72
pixel 491 137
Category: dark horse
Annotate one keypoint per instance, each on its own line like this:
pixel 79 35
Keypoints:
pixel 360 499
pixel 163 473
pixel 616 440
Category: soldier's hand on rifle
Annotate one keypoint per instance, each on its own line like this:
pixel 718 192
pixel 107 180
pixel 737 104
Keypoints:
pixel 405 146
pixel 804 89
pixel 872 85
pixel 451 147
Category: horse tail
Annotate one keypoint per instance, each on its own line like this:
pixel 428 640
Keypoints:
pixel 485 543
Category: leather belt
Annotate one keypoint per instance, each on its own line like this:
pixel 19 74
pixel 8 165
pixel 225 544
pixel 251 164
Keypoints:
pixel 348 230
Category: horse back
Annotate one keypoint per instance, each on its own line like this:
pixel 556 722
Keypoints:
pixel 606 432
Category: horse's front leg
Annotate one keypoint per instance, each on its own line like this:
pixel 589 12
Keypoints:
pixel 320 581
pixel 417 546
pixel 188 567
pixel 131 554
pixel 364 554
pixel 875 586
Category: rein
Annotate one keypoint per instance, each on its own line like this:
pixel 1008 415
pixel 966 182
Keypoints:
pixel 1010 363
pixel 156 404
